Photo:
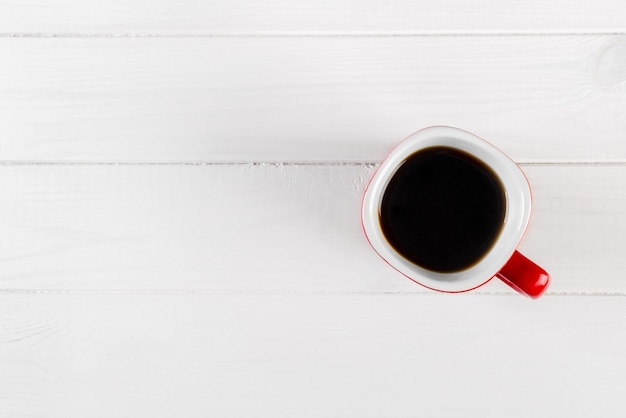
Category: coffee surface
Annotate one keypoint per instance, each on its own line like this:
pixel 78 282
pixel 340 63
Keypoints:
pixel 443 209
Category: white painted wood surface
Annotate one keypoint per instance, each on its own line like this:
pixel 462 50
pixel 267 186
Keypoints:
pixel 194 355
pixel 552 98
pixel 268 228
pixel 297 16
pixel 140 275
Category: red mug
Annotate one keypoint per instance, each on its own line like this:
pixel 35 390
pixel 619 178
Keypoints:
pixel 412 245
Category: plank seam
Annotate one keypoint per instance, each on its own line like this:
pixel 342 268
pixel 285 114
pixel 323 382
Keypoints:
pixel 321 163
pixel 218 292
pixel 140 35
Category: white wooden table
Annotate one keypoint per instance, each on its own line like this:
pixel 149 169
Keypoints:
pixel 180 185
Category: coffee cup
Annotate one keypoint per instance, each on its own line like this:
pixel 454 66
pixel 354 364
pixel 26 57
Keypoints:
pixel 448 210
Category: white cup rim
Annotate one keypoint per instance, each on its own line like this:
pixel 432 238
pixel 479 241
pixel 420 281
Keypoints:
pixel 518 207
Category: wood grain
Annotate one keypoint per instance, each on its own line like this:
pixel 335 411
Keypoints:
pixel 180 184
pixel 298 16
pixel 552 98
pixel 77 355
pixel 253 228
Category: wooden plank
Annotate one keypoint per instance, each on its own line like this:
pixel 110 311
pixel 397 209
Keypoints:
pixel 343 16
pixel 268 229
pixel 556 98
pixel 71 355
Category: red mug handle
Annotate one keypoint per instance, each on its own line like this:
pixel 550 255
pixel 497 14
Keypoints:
pixel 524 276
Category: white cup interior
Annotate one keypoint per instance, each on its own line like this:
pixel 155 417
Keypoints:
pixel 518 207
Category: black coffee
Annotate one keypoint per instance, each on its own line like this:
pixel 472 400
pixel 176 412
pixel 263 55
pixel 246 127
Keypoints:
pixel 443 209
